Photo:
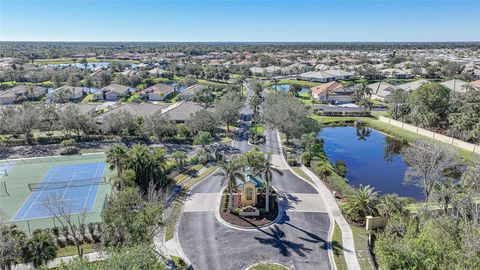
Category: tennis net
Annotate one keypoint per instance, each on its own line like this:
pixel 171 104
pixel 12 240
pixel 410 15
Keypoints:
pixel 67 184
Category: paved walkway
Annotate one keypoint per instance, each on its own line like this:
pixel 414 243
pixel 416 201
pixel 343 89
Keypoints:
pixel 332 206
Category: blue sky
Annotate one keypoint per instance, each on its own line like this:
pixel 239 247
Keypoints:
pixel 231 20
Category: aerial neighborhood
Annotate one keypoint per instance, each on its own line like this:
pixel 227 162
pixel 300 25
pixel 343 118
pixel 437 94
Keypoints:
pixel 239 156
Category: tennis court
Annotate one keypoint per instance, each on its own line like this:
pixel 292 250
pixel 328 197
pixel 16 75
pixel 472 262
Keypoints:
pixel 76 185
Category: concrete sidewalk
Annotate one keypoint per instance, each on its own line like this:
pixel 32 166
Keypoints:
pixel 332 206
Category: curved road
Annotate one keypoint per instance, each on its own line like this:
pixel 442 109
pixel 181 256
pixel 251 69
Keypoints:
pixel 299 240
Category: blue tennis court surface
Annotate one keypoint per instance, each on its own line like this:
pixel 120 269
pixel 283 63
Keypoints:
pixel 76 185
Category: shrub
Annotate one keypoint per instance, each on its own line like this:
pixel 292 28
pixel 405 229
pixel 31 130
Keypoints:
pixel 292 161
pixel 262 211
pixel 341 168
pixel 306 158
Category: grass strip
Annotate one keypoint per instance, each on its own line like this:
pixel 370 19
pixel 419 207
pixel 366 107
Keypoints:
pixel 72 250
pixel 337 244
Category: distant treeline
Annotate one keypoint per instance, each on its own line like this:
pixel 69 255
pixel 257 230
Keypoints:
pixel 52 50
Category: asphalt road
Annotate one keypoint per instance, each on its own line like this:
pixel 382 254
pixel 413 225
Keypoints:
pixel 298 240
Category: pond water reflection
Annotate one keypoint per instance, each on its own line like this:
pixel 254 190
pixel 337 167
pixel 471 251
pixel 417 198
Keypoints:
pixel 372 158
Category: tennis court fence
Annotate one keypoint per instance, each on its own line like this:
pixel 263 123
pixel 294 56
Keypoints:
pixel 35 160
pixel 29 226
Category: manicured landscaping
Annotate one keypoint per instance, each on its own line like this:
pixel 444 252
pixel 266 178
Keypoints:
pixel 268 266
pixel 248 222
pixel 301 173
pixel 189 172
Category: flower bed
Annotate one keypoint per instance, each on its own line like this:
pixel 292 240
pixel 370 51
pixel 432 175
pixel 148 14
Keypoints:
pixel 248 222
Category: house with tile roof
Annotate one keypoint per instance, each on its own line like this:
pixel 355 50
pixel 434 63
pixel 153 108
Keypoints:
pixel 157 92
pixel 332 92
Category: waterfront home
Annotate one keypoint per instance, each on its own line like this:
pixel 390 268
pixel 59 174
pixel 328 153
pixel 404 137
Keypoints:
pixel 157 92
pixel 332 92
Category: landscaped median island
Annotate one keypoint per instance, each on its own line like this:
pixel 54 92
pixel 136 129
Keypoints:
pixel 244 214
pixel 268 266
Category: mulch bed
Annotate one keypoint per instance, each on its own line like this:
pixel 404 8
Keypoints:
pixel 250 222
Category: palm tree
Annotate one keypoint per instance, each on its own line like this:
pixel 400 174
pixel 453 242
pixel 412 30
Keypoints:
pixel 231 172
pixel 255 102
pixel 180 157
pixel 39 250
pixel 362 203
pixel 117 157
pixel 391 204
pixel 266 170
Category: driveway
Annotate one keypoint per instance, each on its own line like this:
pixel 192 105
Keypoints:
pixel 299 240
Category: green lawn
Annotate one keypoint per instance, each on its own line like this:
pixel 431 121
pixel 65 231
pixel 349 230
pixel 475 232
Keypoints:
pixel 184 175
pixel 360 237
pixel 174 215
pixel 72 250
pixel 268 266
pixel 306 98
pixel 337 244
pixel 300 172
pixel 87 98
pixel 13 83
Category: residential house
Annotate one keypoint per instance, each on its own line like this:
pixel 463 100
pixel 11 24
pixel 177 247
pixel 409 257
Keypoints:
pixel 317 76
pixel 112 92
pixel 455 85
pixel 82 108
pixel 191 91
pixel 157 92
pixel 21 93
pixel 340 74
pixel 138 110
pixel 412 85
pixel 397 73
pixel 382 90
pixel 332 92
pixel 183 111
pixel 157 72
pixel 65 93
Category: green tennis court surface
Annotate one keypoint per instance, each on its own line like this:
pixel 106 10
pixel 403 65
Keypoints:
pixel 82 182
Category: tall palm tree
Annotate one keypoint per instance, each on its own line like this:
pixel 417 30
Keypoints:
pixel 117 157
pixel 266 170
pixel 231 171
pixel 362 203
